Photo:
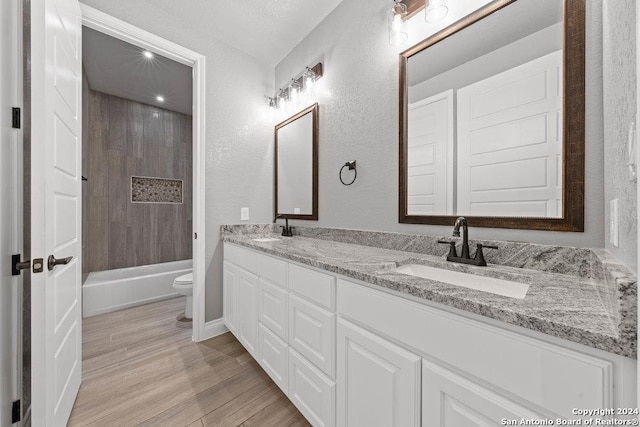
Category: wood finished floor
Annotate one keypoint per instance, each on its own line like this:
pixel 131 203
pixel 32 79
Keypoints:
pixel 140 368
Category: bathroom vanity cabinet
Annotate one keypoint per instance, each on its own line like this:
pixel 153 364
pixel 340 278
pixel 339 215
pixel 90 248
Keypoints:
pixel 348 353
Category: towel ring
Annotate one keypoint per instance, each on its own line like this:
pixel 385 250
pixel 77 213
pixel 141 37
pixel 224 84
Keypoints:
pixel 352 166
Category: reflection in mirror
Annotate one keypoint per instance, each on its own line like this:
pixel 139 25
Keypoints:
pixel 483 132
pixel 296 168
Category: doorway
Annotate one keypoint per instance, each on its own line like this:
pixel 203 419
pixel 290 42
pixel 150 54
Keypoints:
pixel 54 191
pixel 149 44
pixel 136 176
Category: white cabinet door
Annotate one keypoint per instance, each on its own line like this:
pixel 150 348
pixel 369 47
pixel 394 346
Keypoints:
pixel 378 382
pixel 274 357
pixel 312 332
pixel 248 310
pixel 230 296
pixel 272 301
pixel 313 393
pixel 449 400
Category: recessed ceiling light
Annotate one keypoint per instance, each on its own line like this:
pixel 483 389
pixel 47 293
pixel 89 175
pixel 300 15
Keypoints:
pixel 147 54
pixel 160 98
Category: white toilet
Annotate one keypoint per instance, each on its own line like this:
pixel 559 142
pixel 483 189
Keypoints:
pixel 184 285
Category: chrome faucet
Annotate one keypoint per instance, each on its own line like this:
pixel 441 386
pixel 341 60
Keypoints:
pixel 465 257
pixel 286 230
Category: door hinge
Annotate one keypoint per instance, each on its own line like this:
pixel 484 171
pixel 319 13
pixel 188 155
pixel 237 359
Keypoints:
pixel 15 118
pixel 15 412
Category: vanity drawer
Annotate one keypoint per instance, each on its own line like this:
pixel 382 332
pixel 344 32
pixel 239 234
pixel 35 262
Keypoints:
pixel 311 391
pixel 546 375
pixel 274 357
pixel 272 303
pixel 241 257
pixel 312 332
pixel 313 285
pixel 273 269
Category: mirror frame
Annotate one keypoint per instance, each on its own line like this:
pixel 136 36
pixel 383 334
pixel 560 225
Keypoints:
pixel 313 216
pixel 573 133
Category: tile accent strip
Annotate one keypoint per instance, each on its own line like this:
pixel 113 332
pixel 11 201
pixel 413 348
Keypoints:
pixel 156 190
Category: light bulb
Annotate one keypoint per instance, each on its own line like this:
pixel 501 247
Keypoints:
pixel 147 54
pixel 309 78
pixel 436 10
pixel 283 96
pixel 294 90
pixel 396 23
pixel 160 98
pixel 397 32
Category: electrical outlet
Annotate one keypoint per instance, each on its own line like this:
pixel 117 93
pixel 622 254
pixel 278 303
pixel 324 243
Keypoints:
pixel 613 222
pixel 244 214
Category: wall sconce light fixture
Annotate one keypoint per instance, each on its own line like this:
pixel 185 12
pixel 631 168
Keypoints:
pixel 436 10
pixel 397 15
pixel 302 84
pixel 402 10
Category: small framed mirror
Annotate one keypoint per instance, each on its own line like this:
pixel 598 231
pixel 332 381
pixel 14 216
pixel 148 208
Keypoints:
pixel 492 113
pixel 296 165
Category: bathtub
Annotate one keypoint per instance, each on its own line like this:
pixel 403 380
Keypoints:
pixel 111 290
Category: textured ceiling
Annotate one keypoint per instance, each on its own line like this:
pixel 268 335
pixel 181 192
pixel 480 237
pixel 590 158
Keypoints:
pixel 265 29
pixel 118 68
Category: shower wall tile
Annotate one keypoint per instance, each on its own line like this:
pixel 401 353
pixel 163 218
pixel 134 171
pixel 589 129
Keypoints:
pixel 98 137
pixel 128 139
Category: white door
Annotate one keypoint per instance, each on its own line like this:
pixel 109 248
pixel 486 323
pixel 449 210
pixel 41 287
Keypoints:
pixel 378 382
pixel 510 142
pixel 9 143
pixel 56 208
pixel 449 400
pixel 430 156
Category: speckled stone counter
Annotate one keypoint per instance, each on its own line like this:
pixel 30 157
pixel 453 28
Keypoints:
pixel 580 295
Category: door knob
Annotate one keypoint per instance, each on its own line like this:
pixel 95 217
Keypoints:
pixel 52 261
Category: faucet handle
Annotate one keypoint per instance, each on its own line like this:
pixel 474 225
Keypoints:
pixel 452 248
pixel 479 257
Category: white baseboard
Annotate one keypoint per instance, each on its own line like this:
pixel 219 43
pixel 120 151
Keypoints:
pixel 214 328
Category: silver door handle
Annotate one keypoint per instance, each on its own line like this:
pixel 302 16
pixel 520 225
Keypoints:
pixel 52 261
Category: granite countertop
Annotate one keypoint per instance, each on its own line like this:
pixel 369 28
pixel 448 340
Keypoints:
pixel 562 305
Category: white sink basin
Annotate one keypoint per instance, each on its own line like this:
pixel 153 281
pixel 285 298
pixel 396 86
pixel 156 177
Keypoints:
pixel 505 288
pixel 266 239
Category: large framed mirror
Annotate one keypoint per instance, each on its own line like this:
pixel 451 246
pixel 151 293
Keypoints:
pixel 296 165
pixel 492 113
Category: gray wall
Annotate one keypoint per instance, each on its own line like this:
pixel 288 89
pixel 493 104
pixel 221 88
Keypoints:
pixel 619 47
pixel 358 99
pixel 127 138
pixel 239 140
